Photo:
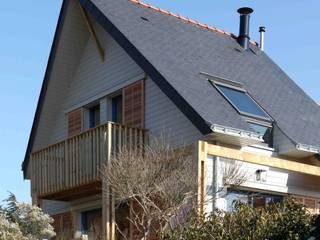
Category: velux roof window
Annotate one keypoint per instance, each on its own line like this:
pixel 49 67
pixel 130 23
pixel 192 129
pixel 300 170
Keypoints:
pixel 258 120
pixel 242 102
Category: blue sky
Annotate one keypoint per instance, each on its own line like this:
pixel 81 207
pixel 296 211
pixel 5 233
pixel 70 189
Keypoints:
pixel 26 33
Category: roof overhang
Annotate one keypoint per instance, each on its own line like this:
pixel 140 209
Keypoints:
pixel 44 86
pixel 234 136
pixel 300 151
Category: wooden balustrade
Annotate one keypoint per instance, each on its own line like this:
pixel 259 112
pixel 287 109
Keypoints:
pixel 77 161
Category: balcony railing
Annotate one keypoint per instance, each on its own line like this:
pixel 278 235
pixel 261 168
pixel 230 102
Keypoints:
pixel 77 161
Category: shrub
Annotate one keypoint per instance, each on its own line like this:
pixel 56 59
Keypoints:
pixel 286 220
pixel 24 221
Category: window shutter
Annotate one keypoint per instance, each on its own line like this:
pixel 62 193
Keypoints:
pixel 75 122
pixel 133 104
pixel 63 223
pixel 309 203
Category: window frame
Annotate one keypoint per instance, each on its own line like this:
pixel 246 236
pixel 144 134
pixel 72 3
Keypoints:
pixel 92 117
pixel 245 114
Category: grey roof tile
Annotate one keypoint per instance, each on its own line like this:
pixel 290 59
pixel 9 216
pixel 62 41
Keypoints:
pixel 180 51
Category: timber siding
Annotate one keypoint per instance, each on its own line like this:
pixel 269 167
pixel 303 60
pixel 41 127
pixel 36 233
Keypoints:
pixel 163 116
pixel 74 36
pixel 93 79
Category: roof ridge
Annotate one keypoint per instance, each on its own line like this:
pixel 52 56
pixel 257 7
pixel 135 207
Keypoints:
pixel 186 19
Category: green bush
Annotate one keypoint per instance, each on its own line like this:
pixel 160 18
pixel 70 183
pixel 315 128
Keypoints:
pixel 286 220
pixel 24 222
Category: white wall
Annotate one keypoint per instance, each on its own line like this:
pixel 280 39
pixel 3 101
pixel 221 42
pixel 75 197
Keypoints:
pixel 278 181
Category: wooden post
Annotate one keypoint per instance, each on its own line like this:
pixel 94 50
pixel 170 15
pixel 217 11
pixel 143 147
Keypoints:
pixel 92 31
pixel 106 201
pixel 201 155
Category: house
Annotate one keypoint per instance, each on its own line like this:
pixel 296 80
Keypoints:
pixel 124 70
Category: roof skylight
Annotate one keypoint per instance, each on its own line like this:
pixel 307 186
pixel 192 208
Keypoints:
pixel 242 102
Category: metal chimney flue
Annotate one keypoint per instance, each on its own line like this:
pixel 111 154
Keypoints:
pixel 244 36
pixel 262 30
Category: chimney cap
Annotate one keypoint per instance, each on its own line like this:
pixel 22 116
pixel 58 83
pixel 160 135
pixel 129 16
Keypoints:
pixel 245 10
pixel 262 29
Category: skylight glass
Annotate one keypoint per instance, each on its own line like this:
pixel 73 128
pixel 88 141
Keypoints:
pixel 242 102
pixel 265 131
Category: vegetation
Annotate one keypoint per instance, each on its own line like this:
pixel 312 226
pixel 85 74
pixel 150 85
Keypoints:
pixel 287 220
pixel 24 222
pixel 157 184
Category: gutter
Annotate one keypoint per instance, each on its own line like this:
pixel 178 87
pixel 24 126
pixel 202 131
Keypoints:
pixel 236 132
pixel 308 148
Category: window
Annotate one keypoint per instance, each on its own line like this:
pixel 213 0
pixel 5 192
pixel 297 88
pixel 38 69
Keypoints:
pixel 117 109
pixel 242 102
pixel 91 222
pixel 258 120
pixel 265 131
pixel 254 199
pixel 94 116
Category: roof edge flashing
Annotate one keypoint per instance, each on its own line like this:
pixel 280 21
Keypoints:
pixel 308 148
pixel 236 132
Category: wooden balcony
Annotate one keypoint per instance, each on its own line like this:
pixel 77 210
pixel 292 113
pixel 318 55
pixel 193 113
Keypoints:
pixel 72 167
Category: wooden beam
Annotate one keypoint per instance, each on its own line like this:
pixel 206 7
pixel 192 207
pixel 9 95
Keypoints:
pixel 201 155
pixel 92 31
pixel 276 162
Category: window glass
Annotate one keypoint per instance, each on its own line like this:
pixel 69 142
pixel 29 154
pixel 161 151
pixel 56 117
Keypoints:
pixel 254 199
pixel 117 109
pixel 92 223
pixel 94 116
pixel 265 131
pixel 242 101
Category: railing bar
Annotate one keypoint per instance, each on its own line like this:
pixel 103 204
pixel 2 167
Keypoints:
pixel 60 177
pixel 113 139
pixel 140 141
pixel 66 163
pixel 135 139
pixel 81 157
pixel 94 155
pixel 45 170
pixel 77 146
pixel 130 138
pixel 37 173
pixel 75 157
pixel 72 163
pixel 54 164
pixel 120 138
pixel 40 171
pixel 90 157
pixel 87 159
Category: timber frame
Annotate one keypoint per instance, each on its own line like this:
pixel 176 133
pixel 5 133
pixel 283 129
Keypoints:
pixel 72 168
pixel 205 149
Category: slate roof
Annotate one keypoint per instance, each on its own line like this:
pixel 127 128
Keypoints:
pixel 173 50
pixel 179 50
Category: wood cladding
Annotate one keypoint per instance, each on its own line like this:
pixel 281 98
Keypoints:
pixel 133 104
pixel 311 204
pixel 77 161
pixel 74 122
pixel 63 223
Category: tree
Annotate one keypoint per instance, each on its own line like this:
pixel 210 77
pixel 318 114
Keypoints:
pixel 24 221
pixel 287 220
pixel 157 183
